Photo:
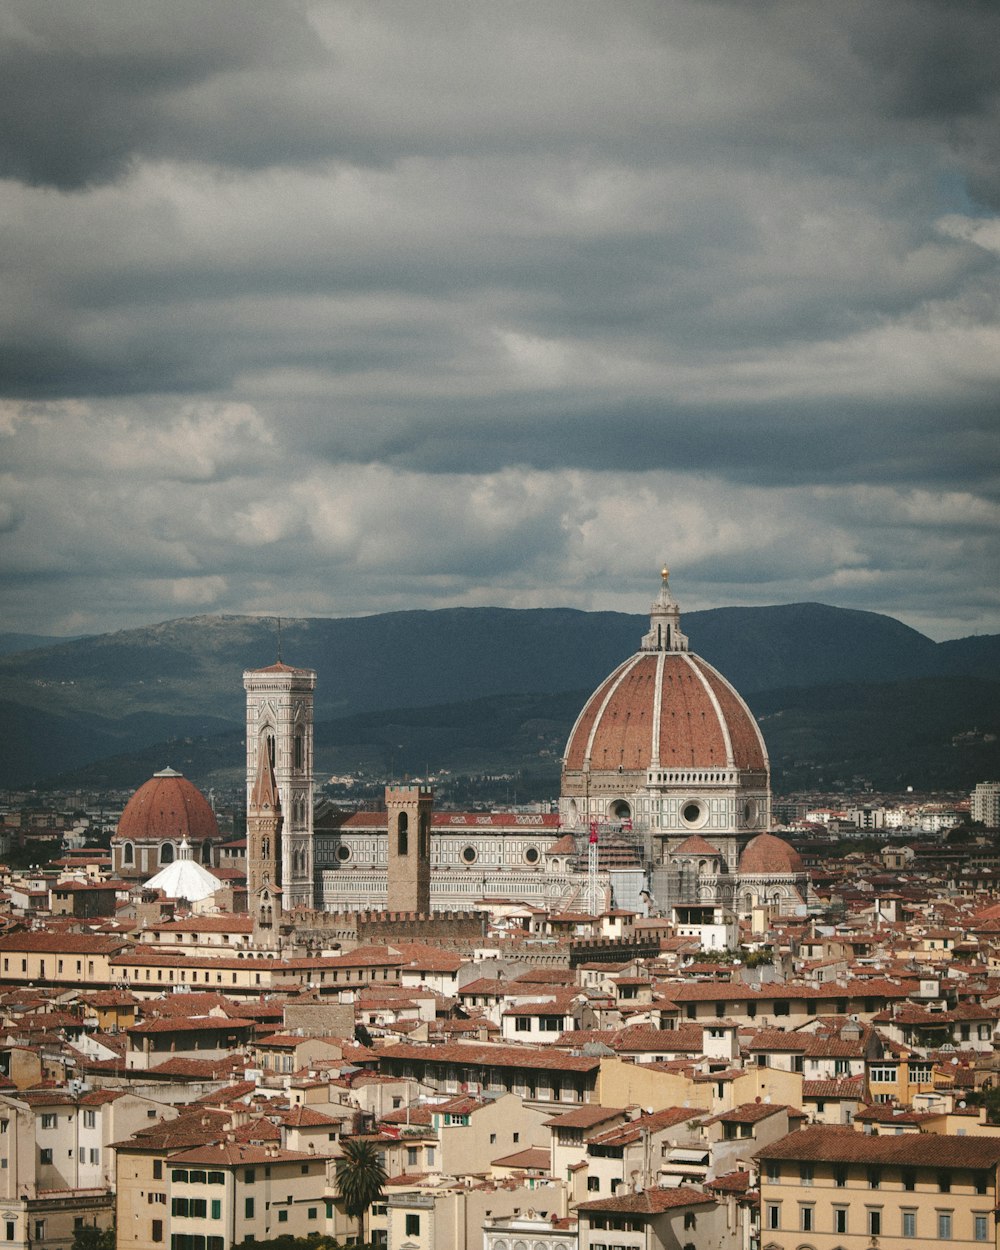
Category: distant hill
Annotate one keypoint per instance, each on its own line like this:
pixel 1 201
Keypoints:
pixel 10 643
pixel 933 733
pixel 92 699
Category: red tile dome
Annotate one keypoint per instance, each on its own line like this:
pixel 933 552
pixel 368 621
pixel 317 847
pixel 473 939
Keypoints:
pixel 167 806
pixel 767 854
pixel 666 709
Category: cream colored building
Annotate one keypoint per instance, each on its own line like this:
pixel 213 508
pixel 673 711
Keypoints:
pixel 657 1219
pixel 71 959
pixel 828 1187
pixel 35 1206
pixel 472 1138
pixel 444 1216
pixel 184 1186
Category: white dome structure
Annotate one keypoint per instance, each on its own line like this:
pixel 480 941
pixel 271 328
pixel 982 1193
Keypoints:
pixel 185 878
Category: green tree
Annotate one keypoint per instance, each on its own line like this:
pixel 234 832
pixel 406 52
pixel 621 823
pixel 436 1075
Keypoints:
pixel 360 1177
pixel 87 1237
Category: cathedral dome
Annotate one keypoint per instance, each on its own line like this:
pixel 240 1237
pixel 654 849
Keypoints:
pixel 664 708
pixel 168 806
pixel 767 855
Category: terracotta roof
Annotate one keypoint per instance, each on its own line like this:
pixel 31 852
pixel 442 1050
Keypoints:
pixel 193 1003
pixel 419 1116
pixel 185 1131
pixel 471 1055
pixel 197 1069
pixel 623 1134
pixel 752 1113
pixel 834 1144
pixel 641 1039
pixel 534 1159
pixel 308 1117
pixel 101 1097
pixel 734 992
pixel 703 723
pixel 490 987
pixel 585 1117
pixel 235 923
pixel 167 806
pixel 732 1183
pixel 196 1024
pixel 229 1094
pixel 650 1201
pixel 110 998
pixel 695 845
pixel 62 943
pixel 257 1131
pixel 766 854
pixel 847 1087
pixel 235 1154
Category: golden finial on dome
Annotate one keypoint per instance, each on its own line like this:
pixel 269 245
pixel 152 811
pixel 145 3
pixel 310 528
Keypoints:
pixel 665 573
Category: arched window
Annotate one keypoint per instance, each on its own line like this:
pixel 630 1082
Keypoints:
pixel 403 834
pixel 425 838
pixel 128 853
pixel 269 743
pixel 206 853
pixel 265 848
pixel 166 853
pixel 299 751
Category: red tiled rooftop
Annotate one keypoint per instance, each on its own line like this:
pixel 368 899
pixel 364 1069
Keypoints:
pixel 650 1201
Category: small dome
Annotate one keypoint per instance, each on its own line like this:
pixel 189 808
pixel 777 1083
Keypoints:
pixel 695 845
pixel 768 855
pixel 185 879
pixel 167 806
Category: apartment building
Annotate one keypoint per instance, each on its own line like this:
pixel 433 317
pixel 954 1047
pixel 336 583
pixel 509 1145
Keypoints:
pixel 830 1187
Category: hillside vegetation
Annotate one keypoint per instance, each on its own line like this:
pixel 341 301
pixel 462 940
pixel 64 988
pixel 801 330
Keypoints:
pixel 839 693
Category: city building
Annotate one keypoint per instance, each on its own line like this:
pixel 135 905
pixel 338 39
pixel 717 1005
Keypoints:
pixel 986 804
pixel 827 1186
pixel 665 772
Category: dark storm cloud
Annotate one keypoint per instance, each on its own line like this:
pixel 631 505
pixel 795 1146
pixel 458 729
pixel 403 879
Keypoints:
pixel 87 89
pixel 811 442
pixel 344 307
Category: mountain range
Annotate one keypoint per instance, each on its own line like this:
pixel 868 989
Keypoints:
pixel 840 693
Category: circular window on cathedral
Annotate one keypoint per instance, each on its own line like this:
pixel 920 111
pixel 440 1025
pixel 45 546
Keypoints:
pixel 531 855
pixel 469 854
pixel 694 813
pixel 343 853
pixel 750 812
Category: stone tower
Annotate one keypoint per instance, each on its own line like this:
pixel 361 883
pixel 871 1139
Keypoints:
pixel 280 722
pixel 409 809
pixel 264 848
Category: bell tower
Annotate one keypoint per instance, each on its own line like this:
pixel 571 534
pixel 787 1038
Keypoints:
pixel 264 850
pixel 409 811
pixel 280 725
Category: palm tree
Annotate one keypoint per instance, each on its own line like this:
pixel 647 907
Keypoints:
pixel 360 1177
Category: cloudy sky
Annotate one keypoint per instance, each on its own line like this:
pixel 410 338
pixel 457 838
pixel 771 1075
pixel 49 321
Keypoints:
pixel 337 308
